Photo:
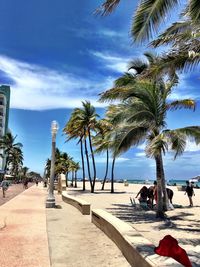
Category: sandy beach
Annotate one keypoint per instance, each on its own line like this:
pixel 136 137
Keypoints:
pixel 183 223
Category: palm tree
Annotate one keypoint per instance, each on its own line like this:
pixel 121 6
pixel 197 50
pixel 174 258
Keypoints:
pixel 7 143
pixel 15 160
pixel 151 13
pixel 47 168
pixel 82 123
pixel 183 35
pixel 102 141
pixel 62 164
pixel 24 171
pixel 76 168
pixel 142 116
pixel 73 129
pixel 89 121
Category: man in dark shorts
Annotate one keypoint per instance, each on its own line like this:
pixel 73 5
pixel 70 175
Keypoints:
pixel 190 192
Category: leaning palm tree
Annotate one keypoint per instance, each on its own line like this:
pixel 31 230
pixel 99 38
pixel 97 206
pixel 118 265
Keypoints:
pixel 101 142
pixel 74 130
pixel 142 117
pixel 82 124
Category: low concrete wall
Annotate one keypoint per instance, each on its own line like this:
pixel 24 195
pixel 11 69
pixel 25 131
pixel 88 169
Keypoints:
pixel 138 251
pixel 80 204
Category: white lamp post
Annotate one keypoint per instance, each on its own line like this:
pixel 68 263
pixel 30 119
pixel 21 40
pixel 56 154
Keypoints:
pixel 50 201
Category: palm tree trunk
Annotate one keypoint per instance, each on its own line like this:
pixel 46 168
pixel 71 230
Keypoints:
pixel 83 165
pixel 67 178
pixel 88 163
pixel 164 191
pixel 112 175
pixel 159 172
pixel 106 173
pixel 72 181
pixel 75 185
pixel 93 161
pixel 6 164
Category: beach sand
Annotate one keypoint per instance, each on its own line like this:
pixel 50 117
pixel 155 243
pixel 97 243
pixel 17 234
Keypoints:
pixel 183 223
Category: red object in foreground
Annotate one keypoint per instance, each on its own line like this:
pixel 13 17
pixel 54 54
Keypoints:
pixel 169 247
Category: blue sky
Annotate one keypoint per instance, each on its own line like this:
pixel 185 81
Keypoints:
pixel 56 54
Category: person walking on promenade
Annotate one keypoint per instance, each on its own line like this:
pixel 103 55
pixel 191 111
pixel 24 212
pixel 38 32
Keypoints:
pixel 25 183
pixel 4 185
pixel 190 192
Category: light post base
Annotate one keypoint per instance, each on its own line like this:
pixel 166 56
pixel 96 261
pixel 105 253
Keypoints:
pixel 50 202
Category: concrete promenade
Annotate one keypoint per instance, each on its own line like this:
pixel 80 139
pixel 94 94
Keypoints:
pixel 33 236
pixel 23 235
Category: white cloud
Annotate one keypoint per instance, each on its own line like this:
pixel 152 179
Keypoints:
pixel 184 90
pixel 103 159
pixel 140 154
pixel 116 63
pixel 192 147
pixel 38 88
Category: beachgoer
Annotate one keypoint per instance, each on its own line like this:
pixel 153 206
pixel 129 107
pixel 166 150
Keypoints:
pixel 143 194
pixel 170 194
pixel 4 186
pixel 25 183
pixel 36 182
pixel 190 192
pixel 151 196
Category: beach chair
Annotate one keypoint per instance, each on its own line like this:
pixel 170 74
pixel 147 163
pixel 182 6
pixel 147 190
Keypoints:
pixel 140 205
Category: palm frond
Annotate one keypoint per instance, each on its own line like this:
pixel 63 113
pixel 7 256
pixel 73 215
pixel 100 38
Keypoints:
pixel 155 145
pixel 107 7
pixel 179 104
pixel 130 135
pixel 178 31
pixel 137 65
pixel 177 139
pixel 148 16
pixel 194 10
pixel 114 94
pixel 125 80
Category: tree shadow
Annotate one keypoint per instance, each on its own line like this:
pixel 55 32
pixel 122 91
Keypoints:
pixel 130 214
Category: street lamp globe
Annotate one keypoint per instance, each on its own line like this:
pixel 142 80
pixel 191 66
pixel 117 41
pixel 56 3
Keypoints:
pixel 54 127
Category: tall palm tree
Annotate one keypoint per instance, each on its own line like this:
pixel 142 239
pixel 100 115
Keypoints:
pixel 74 130
pixel 102 142
pixel 82 123
pixel 24 171
pixel 142 116
pixel 7 143
pixel 76 168
pixel 15 160
pixel 89 117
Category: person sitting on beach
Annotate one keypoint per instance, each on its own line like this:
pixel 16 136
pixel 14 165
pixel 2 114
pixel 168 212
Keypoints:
pixel 153 193
pixel 151 196
pixel 143 194
pixel 190 192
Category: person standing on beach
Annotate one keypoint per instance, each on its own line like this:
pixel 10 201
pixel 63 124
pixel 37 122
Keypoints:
pixel 190 192
pixel 4 185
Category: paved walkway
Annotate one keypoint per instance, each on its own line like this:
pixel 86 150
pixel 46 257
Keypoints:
pixel 23 235
pixel 72 241
pixel 76 242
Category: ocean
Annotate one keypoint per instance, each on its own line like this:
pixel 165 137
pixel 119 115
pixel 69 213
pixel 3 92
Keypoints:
pixel 170 182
